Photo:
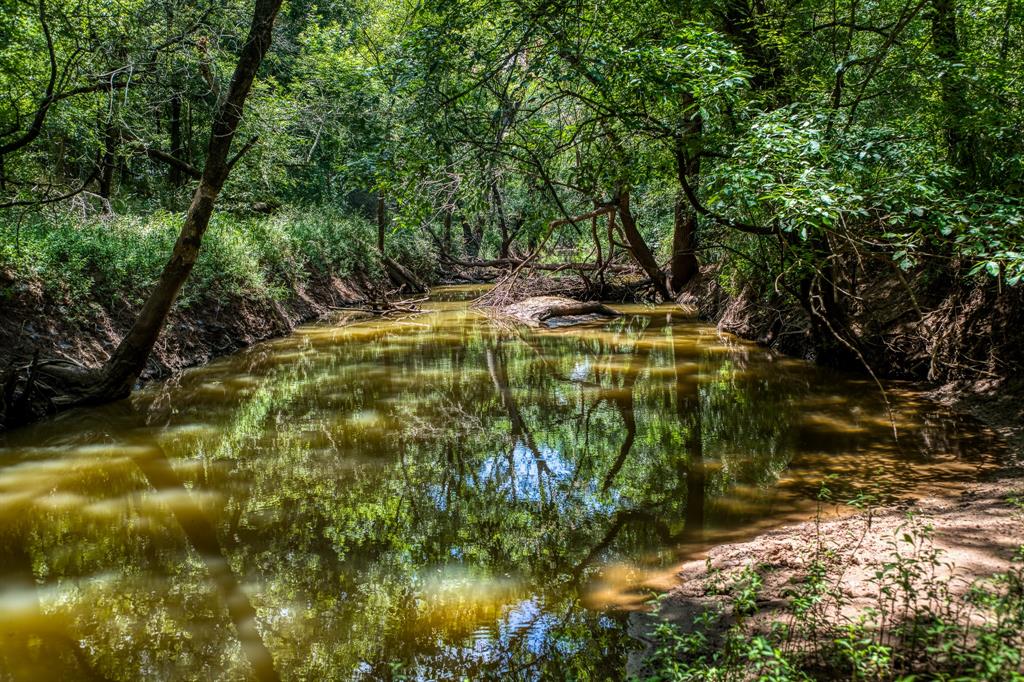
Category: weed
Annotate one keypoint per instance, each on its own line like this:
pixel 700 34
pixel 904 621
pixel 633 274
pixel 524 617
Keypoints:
pixel 919 627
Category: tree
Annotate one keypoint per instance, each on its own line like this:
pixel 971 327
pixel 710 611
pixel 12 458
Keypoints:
pixel 118 375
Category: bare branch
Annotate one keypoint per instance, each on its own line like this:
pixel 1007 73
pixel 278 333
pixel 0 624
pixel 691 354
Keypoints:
pixel 40 116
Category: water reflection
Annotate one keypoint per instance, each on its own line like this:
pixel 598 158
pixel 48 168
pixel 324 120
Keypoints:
pixel 433 498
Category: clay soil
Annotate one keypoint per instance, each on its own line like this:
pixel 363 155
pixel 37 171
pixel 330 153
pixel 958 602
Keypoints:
pixel 86 332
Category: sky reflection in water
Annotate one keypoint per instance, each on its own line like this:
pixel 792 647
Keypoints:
pixel 435 497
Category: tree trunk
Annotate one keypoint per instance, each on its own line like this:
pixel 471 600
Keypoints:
pixel 446 237
pixel 123 368
pixel 175 175
pixel 382 221
pixel 107 160
pixel 471 238
pixel 739 22
pixel 60 157
pixel 639 247
pixel 499 208
pixel 684 235
pixel 946 46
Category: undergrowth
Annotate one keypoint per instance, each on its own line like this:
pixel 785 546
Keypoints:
pixel 115 260
pixel 917 628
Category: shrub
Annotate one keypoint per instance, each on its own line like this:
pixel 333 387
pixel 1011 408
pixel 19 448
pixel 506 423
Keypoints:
pixel 116 260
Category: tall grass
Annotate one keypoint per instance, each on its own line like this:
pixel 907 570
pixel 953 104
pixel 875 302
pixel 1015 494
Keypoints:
pixel 116 260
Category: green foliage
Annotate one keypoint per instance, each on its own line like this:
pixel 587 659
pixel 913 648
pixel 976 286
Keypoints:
pixel 115 261
pixel 841 127
pixel 918 628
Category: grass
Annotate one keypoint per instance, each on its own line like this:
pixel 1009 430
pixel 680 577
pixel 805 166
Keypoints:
pixel 116 260
pixel 916 629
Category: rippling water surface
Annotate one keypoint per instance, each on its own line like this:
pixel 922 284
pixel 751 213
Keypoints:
pixel 437 497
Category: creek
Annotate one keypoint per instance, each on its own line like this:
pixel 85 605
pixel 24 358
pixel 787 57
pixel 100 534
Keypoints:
pixel 441 496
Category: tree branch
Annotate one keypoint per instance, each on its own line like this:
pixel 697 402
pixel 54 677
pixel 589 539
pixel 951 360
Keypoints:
pixel 50 200
pixel 243 151
pixel 691 196
pixel 40 116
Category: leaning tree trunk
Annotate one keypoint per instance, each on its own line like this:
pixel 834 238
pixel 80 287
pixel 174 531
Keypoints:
pixel 635 241
pixel 51 386
pixel 684 235
pixel 124 367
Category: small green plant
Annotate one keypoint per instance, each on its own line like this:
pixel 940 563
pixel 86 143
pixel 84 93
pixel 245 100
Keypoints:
pixel 746 590
pixel 919 627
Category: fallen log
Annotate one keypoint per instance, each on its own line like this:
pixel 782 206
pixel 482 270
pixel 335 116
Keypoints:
pixel 401 277
pixel 556 311
pixel 577 308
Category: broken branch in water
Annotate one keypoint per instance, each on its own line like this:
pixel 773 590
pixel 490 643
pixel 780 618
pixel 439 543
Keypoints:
pixel 501 263
pixel 384 307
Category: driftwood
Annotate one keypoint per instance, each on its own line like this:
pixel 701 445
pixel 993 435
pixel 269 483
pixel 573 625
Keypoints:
pixel 577 308
pixel 556 311
pixel 384 307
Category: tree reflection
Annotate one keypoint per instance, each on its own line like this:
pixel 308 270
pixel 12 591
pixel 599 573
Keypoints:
pixel 428 500
pixel 203 538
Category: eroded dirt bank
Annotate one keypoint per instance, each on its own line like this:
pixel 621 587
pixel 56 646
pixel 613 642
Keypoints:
pixel 966 354
pixel 944 544
pixel 961 342
pixel 86 332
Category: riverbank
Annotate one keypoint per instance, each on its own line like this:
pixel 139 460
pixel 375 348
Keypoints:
pixel 931 586
pixel 70 288
pixel 958 340
pixel 36 322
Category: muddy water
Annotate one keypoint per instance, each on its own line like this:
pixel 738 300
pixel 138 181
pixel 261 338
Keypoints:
pixel 437 497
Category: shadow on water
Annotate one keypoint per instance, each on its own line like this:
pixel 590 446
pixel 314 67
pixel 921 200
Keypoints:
pixel 203 538
pixel 436 497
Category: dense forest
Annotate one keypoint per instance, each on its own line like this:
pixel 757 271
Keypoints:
pixel 838 180
pixel 816 157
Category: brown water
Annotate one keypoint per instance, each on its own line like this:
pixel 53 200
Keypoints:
pixel 439 497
